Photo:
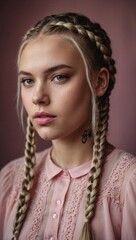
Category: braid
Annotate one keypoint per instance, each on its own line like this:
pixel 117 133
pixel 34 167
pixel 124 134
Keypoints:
pixel 100 142
pixel 77 25
pixel 99 54
pixel 99 153
pixel 24 197
pixel 97 41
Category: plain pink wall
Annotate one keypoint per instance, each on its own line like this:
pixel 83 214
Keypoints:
pixel 117 17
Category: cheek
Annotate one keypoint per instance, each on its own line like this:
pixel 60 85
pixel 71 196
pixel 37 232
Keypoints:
pixel 76 101
pixel 26 100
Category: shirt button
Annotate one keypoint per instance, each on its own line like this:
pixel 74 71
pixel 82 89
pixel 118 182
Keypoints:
pixel 66 173
pixel 52 238
pixel 58 202
pixel 54 215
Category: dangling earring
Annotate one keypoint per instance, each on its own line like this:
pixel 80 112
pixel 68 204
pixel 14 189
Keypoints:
pixel 86 134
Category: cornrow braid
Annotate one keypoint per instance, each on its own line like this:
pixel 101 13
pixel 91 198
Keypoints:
pixel 24 197
pixel 106 52
pixel 78 25
pixel 96 40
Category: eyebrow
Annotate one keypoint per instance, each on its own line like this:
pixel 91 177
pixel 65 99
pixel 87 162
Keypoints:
pixel 47 71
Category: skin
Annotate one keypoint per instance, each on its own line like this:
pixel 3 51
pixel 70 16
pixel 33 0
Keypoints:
pixel 53 80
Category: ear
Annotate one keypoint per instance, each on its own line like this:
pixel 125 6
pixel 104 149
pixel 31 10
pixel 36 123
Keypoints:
pixel 101 82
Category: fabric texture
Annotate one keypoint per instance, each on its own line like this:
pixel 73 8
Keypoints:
pixel 57 208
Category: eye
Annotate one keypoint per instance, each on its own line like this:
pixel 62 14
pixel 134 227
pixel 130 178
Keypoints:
pixel 27 82
pixel 60 78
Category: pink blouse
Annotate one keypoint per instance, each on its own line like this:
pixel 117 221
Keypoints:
pixel 57 208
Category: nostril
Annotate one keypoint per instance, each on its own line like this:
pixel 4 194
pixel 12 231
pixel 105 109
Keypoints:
pixel 41 100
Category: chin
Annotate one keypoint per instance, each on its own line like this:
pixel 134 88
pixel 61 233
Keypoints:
pixel 46 136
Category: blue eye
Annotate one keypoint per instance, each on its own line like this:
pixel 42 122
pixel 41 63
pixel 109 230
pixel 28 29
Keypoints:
pixel 60 78
pixel 27 82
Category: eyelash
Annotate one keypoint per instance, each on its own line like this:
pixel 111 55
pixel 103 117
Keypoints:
pixel 57 78
pixel 25 82
pixel 62 78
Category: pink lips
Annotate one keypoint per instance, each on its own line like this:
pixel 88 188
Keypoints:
pixel 43 118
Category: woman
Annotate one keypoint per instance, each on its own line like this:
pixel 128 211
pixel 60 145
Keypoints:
pixel 82 187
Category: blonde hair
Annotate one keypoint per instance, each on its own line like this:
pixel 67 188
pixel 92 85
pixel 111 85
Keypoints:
pixel 94 46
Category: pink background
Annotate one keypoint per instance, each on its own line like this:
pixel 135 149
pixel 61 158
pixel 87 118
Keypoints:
pixel 117 17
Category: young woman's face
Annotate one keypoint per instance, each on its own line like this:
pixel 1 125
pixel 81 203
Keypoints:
pixel 54 89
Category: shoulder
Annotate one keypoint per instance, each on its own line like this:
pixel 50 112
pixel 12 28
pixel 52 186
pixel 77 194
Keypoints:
pixel 13 171
pixel 126 169
pixel 124 163
pixel 8 173
pixel 121 155
pixel 119 170
pixel 7 180
pixel 121 162
pixel 129 178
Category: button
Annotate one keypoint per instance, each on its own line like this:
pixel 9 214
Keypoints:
pixel 66 173
pixel 52 238
pixel 54 215
pixel 58 202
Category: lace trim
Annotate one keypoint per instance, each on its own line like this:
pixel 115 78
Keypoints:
pixel 38 204
pixel 68 222
pixel 112 188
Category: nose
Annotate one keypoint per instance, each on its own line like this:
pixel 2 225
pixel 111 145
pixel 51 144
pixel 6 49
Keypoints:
pixel 40 96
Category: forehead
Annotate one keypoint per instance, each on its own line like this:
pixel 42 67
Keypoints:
pixel 51 48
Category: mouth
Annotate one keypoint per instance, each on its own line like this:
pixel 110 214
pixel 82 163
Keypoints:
pixel 43 118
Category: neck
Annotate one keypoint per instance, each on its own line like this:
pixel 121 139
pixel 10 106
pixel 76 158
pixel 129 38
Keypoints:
pixel 70 154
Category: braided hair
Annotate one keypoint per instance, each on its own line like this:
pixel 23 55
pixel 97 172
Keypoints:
pixel 94 46
pixel 28 180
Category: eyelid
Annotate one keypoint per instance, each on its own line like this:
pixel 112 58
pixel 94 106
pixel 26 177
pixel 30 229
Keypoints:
pixel 63 77
pixel 24 81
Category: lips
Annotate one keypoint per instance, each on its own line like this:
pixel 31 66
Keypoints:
pixel 43 118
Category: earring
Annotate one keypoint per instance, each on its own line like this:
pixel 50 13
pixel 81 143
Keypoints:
pixel 86 134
